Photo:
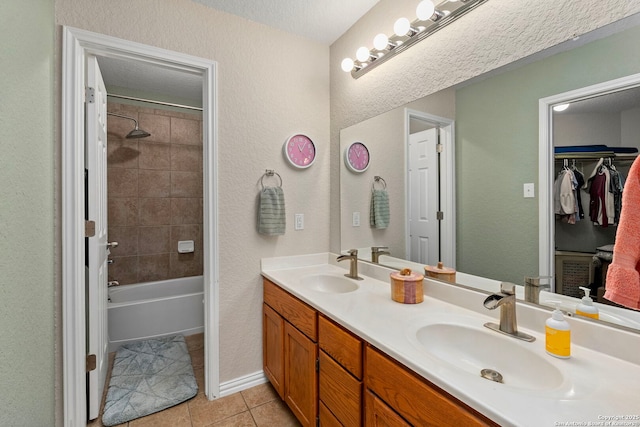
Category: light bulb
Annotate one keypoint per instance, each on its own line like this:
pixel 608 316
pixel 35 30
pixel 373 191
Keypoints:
pixel 363 54
pixel 425 10
pixel 402 27
pixel 347 65
pixel 560 107
pixel 381 41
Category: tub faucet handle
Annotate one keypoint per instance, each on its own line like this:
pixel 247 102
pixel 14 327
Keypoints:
pixel 112 283
pixel 112 245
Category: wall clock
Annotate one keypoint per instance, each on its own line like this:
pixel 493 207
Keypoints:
pixel 356 157
pixel 300 151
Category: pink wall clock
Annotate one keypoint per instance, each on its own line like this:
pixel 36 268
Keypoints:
pixel 356 157
pixel 300 151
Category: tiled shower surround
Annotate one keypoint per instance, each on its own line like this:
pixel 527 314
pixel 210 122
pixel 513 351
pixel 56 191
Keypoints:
pixel 154 194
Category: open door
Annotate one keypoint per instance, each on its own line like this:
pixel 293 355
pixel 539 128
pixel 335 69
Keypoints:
pixel 97 246
pixel 423 204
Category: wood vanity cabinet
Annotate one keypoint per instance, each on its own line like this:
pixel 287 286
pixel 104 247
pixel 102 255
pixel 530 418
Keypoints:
pixel 340 375
pixel 290 352
pixel 413 398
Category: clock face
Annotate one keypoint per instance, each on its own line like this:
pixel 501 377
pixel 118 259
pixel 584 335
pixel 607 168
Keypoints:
pixel 357 157
pixel 300 151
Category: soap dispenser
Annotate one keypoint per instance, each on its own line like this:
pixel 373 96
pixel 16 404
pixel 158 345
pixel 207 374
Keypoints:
pixel 586 307
pixel 558 334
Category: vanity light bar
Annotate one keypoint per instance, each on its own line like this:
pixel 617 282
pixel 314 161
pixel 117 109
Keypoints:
pixel 444 13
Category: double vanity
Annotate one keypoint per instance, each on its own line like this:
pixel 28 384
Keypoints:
pixel 340 351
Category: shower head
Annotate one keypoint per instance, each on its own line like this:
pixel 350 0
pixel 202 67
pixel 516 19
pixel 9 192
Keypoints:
pixel 136 132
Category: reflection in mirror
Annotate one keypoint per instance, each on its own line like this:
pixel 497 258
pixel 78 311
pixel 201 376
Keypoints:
pixel 496 155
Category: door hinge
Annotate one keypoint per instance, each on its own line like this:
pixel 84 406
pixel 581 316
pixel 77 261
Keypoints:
pixel 318 365
pixel 439 147
pixel 91 362
pixel 439 215
pixel 90 95
pixel 89 228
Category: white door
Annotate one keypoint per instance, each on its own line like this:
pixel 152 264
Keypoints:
pixel 96 182
pixel 423 197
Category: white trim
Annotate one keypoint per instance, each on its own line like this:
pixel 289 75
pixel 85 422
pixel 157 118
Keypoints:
pixel 242 383
pixel 447 190
pixel 546 220
pixel 76 45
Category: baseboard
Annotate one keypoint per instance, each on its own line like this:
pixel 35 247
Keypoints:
pixel 242 383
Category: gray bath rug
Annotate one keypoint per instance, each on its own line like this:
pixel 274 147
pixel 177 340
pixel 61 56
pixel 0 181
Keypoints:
pixel 148 376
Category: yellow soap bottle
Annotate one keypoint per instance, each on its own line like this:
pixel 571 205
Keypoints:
pixel 586 307
pixel 558 334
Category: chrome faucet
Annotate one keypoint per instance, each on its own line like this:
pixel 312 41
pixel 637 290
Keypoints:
pixel 376 251
pixel 353 266
pixel 506 300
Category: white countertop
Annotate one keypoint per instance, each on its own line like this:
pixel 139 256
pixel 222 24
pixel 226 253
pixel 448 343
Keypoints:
pixel 598 384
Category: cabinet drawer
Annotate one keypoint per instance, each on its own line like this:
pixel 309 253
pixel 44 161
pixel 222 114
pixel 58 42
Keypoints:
pixel 327 419
pixel 292 309
pixel 380 415
pixel 340 392
pixel 413 397
pixel 341 344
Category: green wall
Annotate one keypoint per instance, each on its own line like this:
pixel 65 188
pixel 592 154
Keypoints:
pixel 27 214
pixel 497 152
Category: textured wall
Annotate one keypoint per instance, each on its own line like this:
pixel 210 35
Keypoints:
pixel 271 85
pixel 497 33
pixel 26 214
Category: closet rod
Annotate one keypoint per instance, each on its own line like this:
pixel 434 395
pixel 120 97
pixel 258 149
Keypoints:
pixel 151 101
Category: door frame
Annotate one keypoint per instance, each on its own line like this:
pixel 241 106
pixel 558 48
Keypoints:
pixel 546 217
pixel 76 45
pixel 447 181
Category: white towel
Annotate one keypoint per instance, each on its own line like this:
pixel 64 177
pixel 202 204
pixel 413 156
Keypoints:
pixel 271 214
pixel 379 211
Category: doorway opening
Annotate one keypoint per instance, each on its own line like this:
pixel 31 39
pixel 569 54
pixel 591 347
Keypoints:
pixel 78 46
pixel 430 185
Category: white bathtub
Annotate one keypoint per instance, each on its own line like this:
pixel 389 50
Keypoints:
pixel 155 309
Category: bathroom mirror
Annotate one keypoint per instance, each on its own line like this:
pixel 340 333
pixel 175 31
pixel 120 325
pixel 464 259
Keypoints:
pixel 496 160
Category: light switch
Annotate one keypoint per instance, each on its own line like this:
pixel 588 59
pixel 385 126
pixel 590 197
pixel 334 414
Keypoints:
pixel 355 219
pixel 299 221
pixel 529 190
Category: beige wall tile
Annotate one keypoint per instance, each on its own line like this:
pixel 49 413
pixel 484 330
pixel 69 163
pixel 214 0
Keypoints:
pixel 186 211
pixel 186 184
pixel 153 267
pixel 154 240
pixel 154 155
pixel 124 269
pixel 158 126
pixel 155 211
pixel 127 238
pixel 122 182
pixel 185 265
pixel 122 211
pixel 186 232
pixel 186 157
pixel 119 127
pixel 122 153
pixel 185 131
pixel 154 183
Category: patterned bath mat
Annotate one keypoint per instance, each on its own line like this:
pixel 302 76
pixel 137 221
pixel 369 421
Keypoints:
pixel 148 376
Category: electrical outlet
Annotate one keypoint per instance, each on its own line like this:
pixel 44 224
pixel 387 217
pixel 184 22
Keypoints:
pixel 299 221
pixel 355 219
pixel 529 190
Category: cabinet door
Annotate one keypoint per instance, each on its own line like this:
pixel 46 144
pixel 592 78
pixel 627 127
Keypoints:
pixel 272 348
pixel 327 419
pixel 377 414
pixel 301 381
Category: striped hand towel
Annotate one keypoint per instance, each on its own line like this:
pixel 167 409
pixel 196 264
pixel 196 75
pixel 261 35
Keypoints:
pixel 379 212
pixel 271 215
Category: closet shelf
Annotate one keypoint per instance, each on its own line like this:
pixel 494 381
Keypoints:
pixel 596 156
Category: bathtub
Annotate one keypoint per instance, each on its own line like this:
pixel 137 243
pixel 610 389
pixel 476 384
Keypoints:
pixel 155 309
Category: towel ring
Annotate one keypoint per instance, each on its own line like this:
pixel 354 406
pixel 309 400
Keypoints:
pixel 378 179
pixel 270 173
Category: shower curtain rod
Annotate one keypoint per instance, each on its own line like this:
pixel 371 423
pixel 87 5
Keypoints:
pixel 151 101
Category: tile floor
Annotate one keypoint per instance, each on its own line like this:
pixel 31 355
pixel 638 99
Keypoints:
pixel 255 407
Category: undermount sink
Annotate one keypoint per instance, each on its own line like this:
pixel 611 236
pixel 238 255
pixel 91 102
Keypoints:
pixel 329 283
pixel 481 352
